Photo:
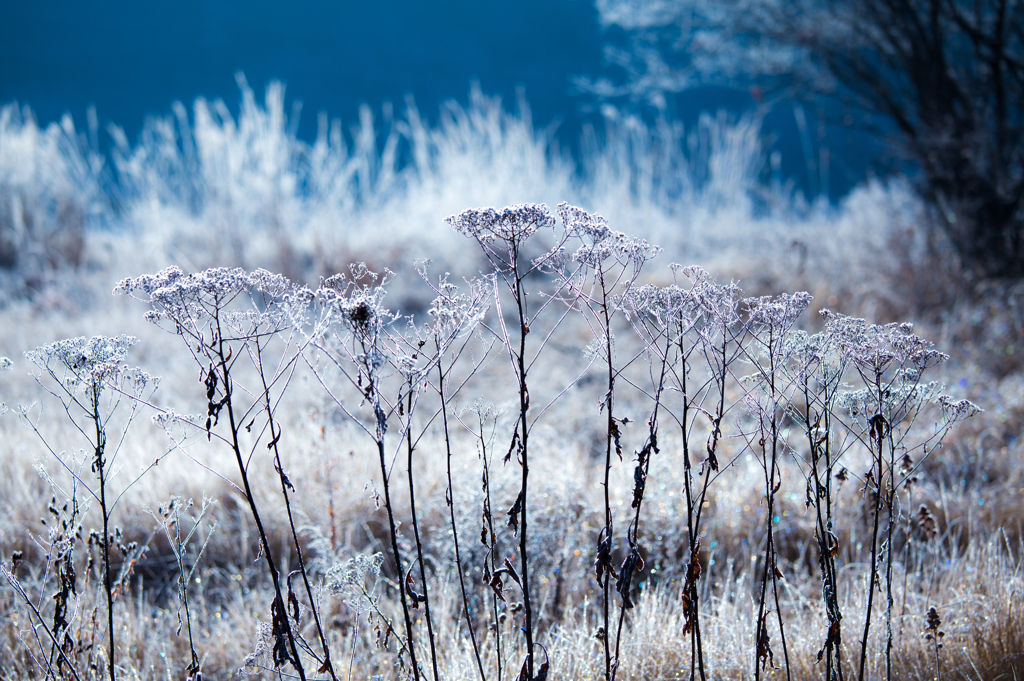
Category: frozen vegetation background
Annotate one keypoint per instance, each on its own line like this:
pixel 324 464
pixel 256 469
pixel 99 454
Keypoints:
pixel 214 185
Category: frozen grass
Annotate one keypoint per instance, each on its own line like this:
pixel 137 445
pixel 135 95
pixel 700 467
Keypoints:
pixel 210 189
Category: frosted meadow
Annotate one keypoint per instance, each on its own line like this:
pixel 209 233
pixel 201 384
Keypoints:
pixel 644 416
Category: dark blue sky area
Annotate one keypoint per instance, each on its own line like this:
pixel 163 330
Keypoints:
pixel 132 58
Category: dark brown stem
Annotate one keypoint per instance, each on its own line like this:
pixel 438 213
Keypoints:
pixel 874 541
pixel 394 548
pixel 416 535
pixel 100 465
pixel 524 405
pixel 451 508
pixel 223 360
pixel 275 436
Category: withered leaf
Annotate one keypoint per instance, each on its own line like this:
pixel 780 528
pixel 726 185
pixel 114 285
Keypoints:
pixel 639 482
pixel 278 628
pixel 496 585
pixel 617 438
pixel 513 514
pixel 603 563
pixel 511 448
pixel 512 572
pixel 293 605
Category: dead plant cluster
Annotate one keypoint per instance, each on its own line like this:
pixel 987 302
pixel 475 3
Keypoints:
pixel 485 550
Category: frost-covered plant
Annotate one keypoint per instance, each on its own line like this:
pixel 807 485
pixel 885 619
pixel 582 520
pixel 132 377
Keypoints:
pixel 64 641
pixel 812 401
pixel 601 270
pixel 357 339
pixel 691 335
pixel 243 330
pixel 353 338
pixel 89 378
pixel 816 370
pixel 890 361
pixel 453 315
pixel 504 236
pixel 181 528
pixel 767 397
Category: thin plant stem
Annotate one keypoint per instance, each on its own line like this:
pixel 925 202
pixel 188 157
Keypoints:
pixel 416 535
pixel 275 437
pixel 451 508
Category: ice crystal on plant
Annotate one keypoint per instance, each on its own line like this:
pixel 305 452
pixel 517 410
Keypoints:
pixel 665 304
pixel 716 301
pixel 895 402
pixel 601 243
pixel 453 312
pixel 957 410
pixel 581 223
pixel 186 300
pixel 778 312
pixel 874 348
pixel 89 363
pixel 512 224
pixel 357 300
pixel 348 580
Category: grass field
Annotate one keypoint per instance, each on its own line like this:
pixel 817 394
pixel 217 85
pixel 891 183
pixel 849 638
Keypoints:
pixel 570 445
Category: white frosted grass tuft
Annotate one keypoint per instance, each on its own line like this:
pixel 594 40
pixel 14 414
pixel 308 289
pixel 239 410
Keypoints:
pixel 206 188
pixel 5 365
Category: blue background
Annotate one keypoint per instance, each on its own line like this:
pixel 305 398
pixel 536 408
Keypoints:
pixel 132 59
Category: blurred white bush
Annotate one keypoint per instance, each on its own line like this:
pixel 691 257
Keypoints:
pixel 50 194
pixel 209 188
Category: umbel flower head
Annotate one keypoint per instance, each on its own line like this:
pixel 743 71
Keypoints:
pixel 454 312
pixel 601 243
pixel 89 363
pixel 512 224
pixel 875 348
pixel 778 312
pixel 189 299
pixel 356 300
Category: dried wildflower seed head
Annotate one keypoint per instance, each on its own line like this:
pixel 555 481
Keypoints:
pixel 718 302
pixel 453 313
pixel 667 305
pixel 895 403
pixel 875 348
pixel 348 580
pixel 955 411
pixel 187 300
pixel 618 247
pixel 166 419
pixel 359 309
pixel 148 283
pixel 360 313
pixel 90 363
pixel 778 312
pixel 934 622
pixel 927 523
pixel 512 224
pixel 579 222
pixel 483 409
